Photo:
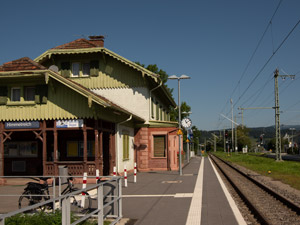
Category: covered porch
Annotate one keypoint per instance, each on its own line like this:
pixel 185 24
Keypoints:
pixel 83 145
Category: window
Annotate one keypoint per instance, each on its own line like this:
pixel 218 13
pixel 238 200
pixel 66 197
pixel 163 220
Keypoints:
pixel 75 69
pixel 75 148
pixel 85 69
pixel 21 149
pixel 159 146
pixel 157 111
pixel 29 93
pixel 15 94
pixel 125 145
pixel 152 108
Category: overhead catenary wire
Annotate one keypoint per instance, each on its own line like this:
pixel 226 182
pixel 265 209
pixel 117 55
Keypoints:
pixel 267 62
pixel 256 48
pixel 251 58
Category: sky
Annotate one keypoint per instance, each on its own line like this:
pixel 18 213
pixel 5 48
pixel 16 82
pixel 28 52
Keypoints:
pixel 230 49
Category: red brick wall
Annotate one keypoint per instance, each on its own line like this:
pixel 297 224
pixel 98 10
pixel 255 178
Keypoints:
pixel 144 149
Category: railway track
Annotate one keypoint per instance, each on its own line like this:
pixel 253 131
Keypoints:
pixel 267 206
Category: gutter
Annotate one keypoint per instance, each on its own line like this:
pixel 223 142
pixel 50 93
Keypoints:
pixel 117 141
pixel 150 105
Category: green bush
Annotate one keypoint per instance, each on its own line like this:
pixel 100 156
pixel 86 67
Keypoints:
pixel 42 218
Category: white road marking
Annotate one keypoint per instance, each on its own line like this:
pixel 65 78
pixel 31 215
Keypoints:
pixel 230 200
pixel 194 216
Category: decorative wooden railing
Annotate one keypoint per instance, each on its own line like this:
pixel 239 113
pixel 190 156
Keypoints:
pixel 76 168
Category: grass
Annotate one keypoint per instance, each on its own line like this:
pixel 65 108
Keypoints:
pixel 43 218
pixel 286 171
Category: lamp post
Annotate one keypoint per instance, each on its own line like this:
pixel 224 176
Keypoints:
pixel 187 142
pixel 174 77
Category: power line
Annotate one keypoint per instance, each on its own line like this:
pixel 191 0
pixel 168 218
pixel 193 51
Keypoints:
pixel 284 40
pixel 257 46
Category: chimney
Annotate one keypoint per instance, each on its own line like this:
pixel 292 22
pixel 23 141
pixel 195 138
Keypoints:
pixel 97 40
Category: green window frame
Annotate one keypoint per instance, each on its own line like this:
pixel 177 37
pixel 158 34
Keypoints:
pixel 157 111
pixel 125 137
pixel 159 146
pixel 152 108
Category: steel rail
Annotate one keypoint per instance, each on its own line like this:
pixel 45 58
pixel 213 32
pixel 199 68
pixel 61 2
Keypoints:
pixel 257 214
pixel 276 195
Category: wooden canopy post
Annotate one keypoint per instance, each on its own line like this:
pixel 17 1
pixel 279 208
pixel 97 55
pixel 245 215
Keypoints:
pixel 96 131
pixel 45 172
pixel 101 153
pixel 84 148
pixel 1 150
pixel 55 150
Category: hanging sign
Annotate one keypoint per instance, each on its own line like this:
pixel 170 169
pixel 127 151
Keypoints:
pixel 22 125
pixel 179 132
pixel 69 123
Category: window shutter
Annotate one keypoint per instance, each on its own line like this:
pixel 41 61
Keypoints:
pixel 94 71
pixel 3 95
pixel 159 146
pixel 66 69
pixel 41 94
pixel 125 145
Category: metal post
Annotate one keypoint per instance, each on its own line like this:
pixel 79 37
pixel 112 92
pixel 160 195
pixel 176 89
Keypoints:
pixel 215 144
pixel 100 203
pixel 224 142
pixel 232 136
pixel 59 190
pixel 65 211
pixel 120 198
pixel 236 139
pixel 179 115
pixel 53 195
pixel 188 151
pixel 179 124
pixel 277 118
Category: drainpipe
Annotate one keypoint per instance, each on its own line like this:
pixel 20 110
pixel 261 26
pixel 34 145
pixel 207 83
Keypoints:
pixel 117 140
pixel 150 105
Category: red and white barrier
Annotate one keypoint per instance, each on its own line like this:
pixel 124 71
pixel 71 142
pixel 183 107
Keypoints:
pixel 125 175
pixel 83 186
pixel 115 171
pixel 97 175
pixel 134 177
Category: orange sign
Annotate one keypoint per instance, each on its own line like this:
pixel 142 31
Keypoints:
pixel 179 132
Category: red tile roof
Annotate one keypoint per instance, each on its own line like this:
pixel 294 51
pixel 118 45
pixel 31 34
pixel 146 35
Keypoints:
pixel 21 64
pixel 82 43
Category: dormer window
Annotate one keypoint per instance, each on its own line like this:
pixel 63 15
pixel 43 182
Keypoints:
pixel 75 69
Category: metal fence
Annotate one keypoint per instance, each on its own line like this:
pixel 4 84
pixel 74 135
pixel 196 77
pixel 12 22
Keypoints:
pixel 106 196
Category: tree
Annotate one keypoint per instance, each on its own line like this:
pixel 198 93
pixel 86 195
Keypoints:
pixel 164 77
pixel 183 108
pixel 163 74
pixel 243 137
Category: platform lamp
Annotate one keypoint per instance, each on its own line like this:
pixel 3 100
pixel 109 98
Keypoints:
pixel 174 77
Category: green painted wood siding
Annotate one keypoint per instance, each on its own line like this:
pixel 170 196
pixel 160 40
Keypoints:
pixel 63 103
pixel 112 73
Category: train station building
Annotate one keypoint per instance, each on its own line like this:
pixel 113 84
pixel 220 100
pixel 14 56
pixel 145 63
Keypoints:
pixel 83 106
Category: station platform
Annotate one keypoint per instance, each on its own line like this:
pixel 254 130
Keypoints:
pixel 196 197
